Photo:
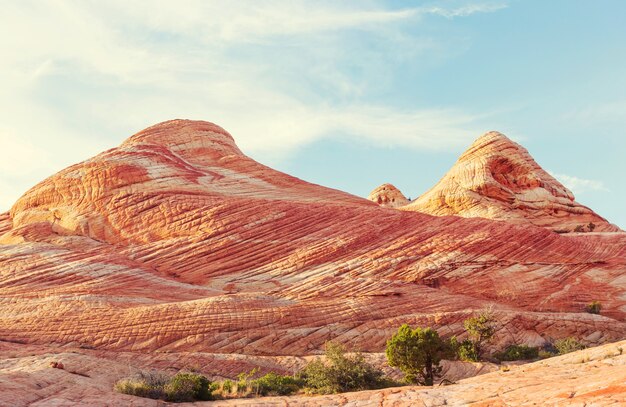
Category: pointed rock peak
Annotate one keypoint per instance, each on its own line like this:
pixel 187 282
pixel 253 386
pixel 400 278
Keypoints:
pixel 388 196
pixel 497 178
pixel 197 141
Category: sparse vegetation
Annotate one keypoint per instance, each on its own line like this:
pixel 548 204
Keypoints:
pixel 187 386
pixel 417 352
pixel 545 354
pixel 517 352
pixel 183 386
pixel 226 387
pixel 594 307
pixel 341 373
pixel 273 384
pixel 143 384
pixel 567 345
pixel 480 329
pixel 464 350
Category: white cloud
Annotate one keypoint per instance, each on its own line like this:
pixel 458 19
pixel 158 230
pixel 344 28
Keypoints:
pixel 579 185
pixel 79 76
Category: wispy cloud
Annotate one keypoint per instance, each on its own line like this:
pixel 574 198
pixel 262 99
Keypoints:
pixel 579 185
pixel 78 77
pixel 609 112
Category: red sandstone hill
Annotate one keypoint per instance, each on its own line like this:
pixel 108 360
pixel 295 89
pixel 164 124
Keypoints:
pixel 177 241
pixel 496 178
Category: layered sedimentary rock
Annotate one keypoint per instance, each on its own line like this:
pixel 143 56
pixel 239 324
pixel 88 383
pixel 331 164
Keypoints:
pixel 177 241
pixel 496 178
pixel 388 196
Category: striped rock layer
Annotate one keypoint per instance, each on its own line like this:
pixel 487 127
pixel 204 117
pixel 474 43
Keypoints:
pixel 177 241
pixel 496 178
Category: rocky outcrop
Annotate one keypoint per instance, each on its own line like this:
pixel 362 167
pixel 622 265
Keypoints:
pixel 497 178
pixel 177 241
pixel 388 196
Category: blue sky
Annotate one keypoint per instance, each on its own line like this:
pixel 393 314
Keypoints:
pixel 344 94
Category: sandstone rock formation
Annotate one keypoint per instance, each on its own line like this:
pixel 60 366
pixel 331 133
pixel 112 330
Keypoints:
pixel 176 241
pixel 496 178
pixel 388 196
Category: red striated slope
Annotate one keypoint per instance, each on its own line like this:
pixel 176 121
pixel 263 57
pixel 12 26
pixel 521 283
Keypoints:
pixel 178 241
pixel 497 179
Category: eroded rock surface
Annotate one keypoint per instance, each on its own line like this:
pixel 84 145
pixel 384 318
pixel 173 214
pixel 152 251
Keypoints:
pixel 176 241
pixel 496 178
pixel 388 196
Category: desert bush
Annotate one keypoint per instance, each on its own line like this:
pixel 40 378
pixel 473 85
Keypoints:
pixel 341 373
pixel 594 307
pixel 187 386
pixel 183 386
pixel 464 350
pixel 143 384
pixel 545 354
pixel 278 385
pixel 567 345
pixel 244 379
pixel 517 352
pixel 227 386
pixel 417 352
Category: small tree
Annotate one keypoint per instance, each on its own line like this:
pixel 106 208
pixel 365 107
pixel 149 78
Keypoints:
pixel 341 372
pixel 417 352
pixel 480 329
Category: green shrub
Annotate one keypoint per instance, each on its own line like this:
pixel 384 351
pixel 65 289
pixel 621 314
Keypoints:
pixel 594 307
pixel 341 373
pixel 187 386
pixel 244 378
pixel 545 354
pixel 417 352
pixel 275 384
pixel 518 352
pixel 227 386
pixel 143 384
pixel 567 345
pixel 464 350
pixel 177 388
